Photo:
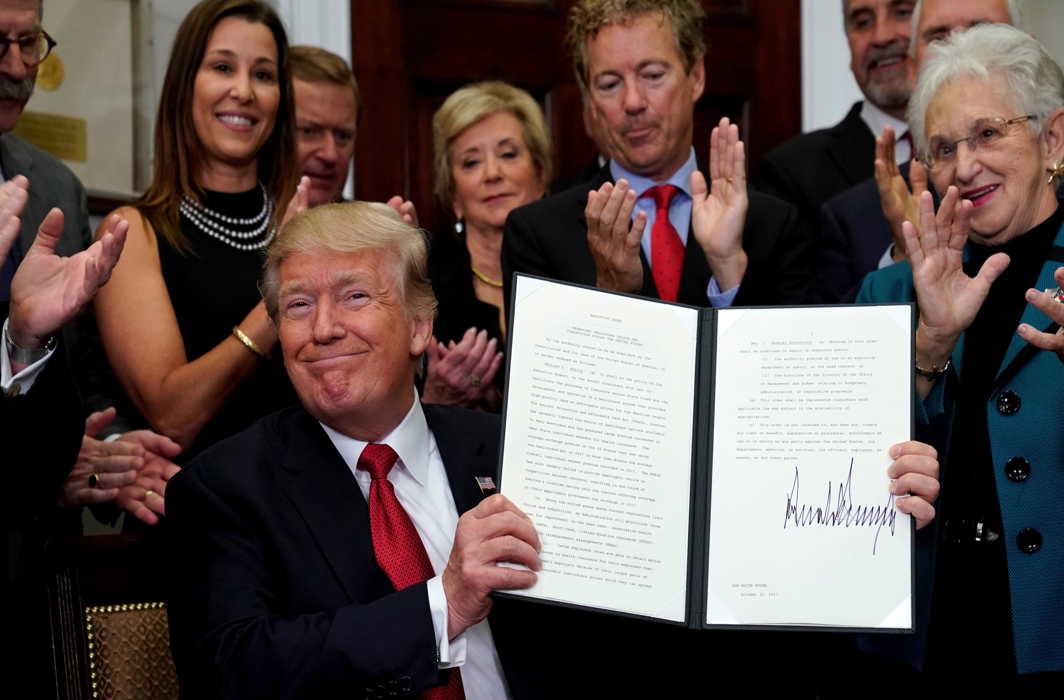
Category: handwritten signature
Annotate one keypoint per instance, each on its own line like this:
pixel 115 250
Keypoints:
pixel 844 512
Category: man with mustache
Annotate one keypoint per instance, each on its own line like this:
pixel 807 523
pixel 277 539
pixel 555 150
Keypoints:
pixel 860 227
pixel 649 223
pixel 811 168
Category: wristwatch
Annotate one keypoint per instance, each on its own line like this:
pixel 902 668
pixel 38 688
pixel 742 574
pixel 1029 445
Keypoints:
pixel 27 356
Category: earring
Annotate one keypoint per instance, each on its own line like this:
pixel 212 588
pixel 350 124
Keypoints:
pixel 1055 172
pixel 459 227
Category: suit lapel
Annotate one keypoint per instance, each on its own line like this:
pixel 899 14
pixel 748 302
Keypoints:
pixel 852 146
pixel 465 455
pixel 325 493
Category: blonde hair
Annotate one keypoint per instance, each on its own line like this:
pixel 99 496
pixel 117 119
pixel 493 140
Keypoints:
pixel 474 103
pixel 351 227
pixel 589 17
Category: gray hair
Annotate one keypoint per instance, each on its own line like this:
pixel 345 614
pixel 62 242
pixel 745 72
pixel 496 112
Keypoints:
pixel 1034 80
pixel 1016 9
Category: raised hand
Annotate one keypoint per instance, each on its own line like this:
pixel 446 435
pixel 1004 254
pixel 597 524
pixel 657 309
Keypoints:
pixel 1054 310
pixel 300 201
pixel 914 475
pixel 495 531
pixel 13 194
pixel 718 214
pixel 463 373
pixel 49 290
pixel 406 209
pixel 900 200
pixel 614 238
pixel 948 298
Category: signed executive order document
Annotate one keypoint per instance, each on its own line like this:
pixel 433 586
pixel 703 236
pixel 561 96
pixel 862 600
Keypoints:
pixel 711 467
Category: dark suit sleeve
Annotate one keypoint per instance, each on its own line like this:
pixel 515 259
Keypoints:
pixel 773 180
pixel 778 249
pixel 230 638
pixel 836 279
pixel 522 251
pixel 42 432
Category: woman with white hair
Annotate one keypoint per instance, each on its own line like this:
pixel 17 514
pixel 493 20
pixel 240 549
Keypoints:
pixel 985 271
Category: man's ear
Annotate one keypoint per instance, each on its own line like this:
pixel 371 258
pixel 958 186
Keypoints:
pixel 420 334
pixel 1053 138
pixel 698 74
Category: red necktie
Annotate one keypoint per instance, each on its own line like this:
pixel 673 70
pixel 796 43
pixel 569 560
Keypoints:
pixel 666 248
pixel 397 546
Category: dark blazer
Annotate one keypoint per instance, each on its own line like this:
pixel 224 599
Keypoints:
pixel 277 590
pixel 811 168
pixel 852 235
pixel 549 238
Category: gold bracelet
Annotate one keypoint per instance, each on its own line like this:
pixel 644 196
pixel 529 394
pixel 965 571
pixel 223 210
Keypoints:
pixel 935 373
pixel 248 342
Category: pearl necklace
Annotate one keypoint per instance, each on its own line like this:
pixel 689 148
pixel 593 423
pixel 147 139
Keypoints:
pixel 218 225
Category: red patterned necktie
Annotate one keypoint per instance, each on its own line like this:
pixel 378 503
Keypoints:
pixel 397 546
pixel 666 248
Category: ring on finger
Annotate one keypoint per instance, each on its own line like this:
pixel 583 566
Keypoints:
pixel 94 480
pixel 149 492
pixel 474 380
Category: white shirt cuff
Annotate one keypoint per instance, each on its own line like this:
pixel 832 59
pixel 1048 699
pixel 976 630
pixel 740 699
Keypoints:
pixel 23 379
pixel 452 652
pixel 887 258
pixel 719 299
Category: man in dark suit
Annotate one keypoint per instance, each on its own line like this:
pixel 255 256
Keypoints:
pixel 809 169
pixel 41 418
pixel 641 73
pixel 859 229
pixel 342 546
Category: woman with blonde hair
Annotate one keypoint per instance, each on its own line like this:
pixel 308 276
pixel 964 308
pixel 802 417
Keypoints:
pixel 492 155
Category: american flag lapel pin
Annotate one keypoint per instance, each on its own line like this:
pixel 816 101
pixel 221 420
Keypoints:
pixel 486 483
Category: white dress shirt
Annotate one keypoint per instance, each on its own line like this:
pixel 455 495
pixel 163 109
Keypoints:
pixel 422 488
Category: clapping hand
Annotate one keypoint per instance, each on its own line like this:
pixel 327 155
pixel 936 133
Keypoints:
pixel 614 238
pixel 463 373
pixel 300 201
pixel 405 208
pixel 49 290
pixel 948 298
pixel 900 201
pixel 1054 310
pixel 13 194
pixel 719 213
pixel 132 470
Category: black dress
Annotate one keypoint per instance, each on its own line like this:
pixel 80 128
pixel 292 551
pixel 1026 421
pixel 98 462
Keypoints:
pixel 212 288
pixel 459 308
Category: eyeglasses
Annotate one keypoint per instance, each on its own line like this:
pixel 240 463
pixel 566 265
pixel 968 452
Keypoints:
pixel 988 134
pixel 33 48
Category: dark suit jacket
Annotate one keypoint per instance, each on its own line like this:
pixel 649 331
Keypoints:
pixel 810 169
pixel 277 590
pixel 852 236
pixel 549 238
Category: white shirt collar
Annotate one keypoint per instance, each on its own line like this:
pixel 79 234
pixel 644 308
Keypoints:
pixel 409 439
pixel 877 120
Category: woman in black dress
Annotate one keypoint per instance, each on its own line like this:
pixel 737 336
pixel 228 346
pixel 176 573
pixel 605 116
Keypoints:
pixel 181 319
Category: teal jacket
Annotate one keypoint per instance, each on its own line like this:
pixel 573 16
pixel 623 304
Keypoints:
pixel 1034 380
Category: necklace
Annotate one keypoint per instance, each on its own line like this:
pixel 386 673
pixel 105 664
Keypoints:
pixel 485 279
pixel 252 233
